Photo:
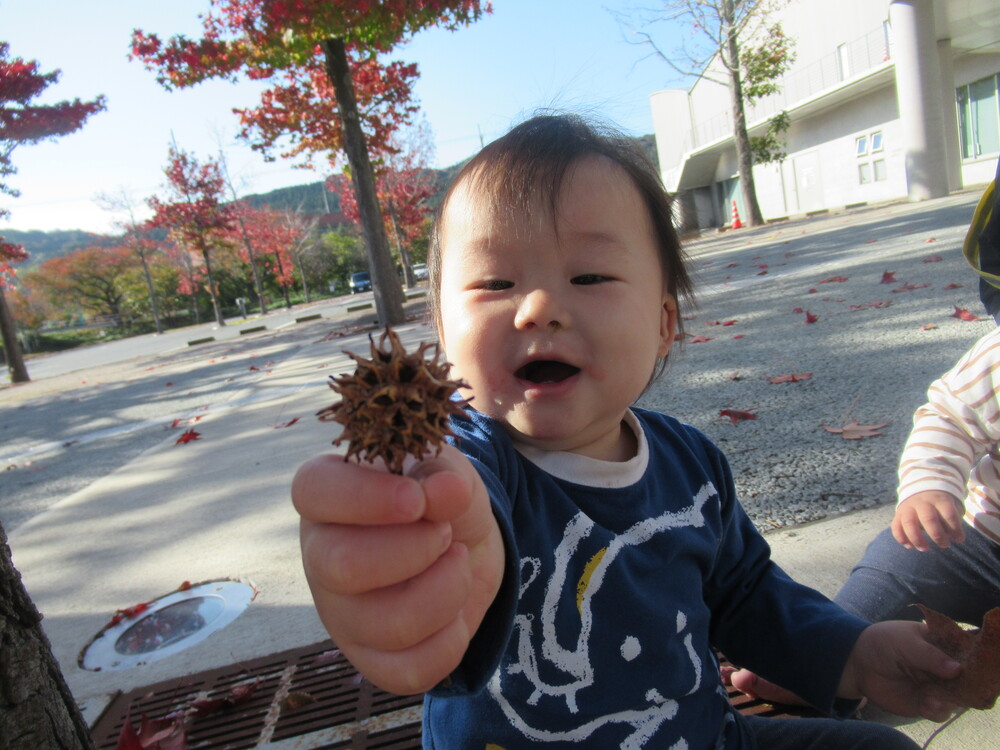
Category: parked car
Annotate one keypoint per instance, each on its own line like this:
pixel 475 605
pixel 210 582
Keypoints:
pixel 360 282
pixel 420 271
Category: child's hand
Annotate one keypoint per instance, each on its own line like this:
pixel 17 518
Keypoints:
pixel 894 665
pixel 933 514
pixel 402 568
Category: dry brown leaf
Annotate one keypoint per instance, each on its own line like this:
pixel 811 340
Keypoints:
pixel 977 650
pixel 854 431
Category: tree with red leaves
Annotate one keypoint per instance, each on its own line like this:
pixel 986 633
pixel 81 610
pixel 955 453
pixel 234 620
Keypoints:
pixel 22 121
pixel 311 42
pixel 404 185
pixel 194 214
pixel 266 238
pixel 89 279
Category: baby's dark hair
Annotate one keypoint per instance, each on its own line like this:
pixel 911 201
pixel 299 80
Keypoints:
pixel 531 161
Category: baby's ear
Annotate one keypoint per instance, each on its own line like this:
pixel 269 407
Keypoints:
pixel 668 324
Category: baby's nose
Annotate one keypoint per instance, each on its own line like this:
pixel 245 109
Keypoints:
pixel 541 309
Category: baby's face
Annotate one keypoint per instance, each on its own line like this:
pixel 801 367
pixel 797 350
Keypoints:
pixel 556 322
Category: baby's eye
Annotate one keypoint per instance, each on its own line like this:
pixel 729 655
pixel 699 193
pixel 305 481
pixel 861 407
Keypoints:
pixel 588 278
pixel 496 285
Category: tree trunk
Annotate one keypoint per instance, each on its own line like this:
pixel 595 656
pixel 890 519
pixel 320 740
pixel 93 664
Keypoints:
pixel 404 257
pixel 11 348
pixel 252 257
pixel 211 288
pixel 152 294
pixel 744 157
pixel 387 290
pixel 37 709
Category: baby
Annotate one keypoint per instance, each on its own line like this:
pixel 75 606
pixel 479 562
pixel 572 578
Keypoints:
pixel 562 573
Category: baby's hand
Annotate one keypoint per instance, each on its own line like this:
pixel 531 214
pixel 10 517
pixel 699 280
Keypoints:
pixel 895 666
pixel 402 568
pixel 931 514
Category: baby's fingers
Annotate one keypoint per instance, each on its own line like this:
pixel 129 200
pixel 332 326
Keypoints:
pixel 348 560
pixel 327 489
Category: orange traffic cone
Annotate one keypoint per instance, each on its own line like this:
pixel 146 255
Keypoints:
pixel 737 224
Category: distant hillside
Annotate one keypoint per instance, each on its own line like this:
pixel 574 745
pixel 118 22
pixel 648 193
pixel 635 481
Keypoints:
pixel 45 245
pixel 309 198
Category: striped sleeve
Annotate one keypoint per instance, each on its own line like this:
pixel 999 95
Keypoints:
pixel 955 434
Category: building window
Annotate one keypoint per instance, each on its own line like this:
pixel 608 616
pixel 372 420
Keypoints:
pixel 876 141
pixel 878 167
pixel 979 117
pixel 861 145
pixel 864 172
pixel 870 169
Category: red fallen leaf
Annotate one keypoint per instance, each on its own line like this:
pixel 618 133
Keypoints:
pixel 699 339
pixel 855 308
pixel 953 286
pixel 176 423
pixel 722 323
pixel 789 255
pixel 762 273
pixel 813 290
pixel 835 280
pixel 868 242
pixel 932 258
pixel 738 336
pixel 928 326
pixel 854 431
pixel 185 586
pixel 169 383
pixel 931 239
pixel 909 288
pixel 794 377
pixel 798 310
pixel 289 423
pixel 978 651
pixel 882 303
pixel 761 265
pixel 188 436
pixel 738 415
pixel 254 367
pixel 732 265
pixel 888 277
pixel 962 314
pixel 153 734
pixel 810 318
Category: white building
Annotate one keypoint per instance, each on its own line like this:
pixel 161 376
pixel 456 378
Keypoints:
pixel 888 99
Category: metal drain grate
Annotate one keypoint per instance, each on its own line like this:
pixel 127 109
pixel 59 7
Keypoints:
pixel 347 712
pixel 757 707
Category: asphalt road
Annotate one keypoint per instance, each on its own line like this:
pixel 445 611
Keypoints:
pixel 108 403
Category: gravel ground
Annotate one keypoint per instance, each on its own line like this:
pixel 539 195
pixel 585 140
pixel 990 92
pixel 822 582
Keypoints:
pixel 869 363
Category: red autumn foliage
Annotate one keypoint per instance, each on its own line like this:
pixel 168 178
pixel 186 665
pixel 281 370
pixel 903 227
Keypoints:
pixel 909 287
pixel 289 423
pixel 811 318
pixel 699 339
pixel 835 280
pixel 888 277
pixel 738 415
pixel 188 436
pixel 794 377
pixel 962 314
pixel 953 286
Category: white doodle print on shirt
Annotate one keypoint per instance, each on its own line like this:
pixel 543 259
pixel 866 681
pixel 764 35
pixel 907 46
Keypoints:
pixel 576 664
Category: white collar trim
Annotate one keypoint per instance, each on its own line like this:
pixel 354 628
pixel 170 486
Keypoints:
pixel 593 472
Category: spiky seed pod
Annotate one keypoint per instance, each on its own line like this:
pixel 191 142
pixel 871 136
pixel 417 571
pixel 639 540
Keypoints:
pixel 395 403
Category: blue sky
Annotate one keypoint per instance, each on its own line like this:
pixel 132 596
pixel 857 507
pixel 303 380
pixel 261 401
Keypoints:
pixel 475 83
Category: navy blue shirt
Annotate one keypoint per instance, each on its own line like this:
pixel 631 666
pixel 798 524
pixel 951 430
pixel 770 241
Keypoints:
pixel 620 579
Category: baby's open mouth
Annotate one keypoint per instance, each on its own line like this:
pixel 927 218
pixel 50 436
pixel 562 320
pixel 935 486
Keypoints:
pixel 546 371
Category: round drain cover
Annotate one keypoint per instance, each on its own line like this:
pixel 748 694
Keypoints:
pixel 167 625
